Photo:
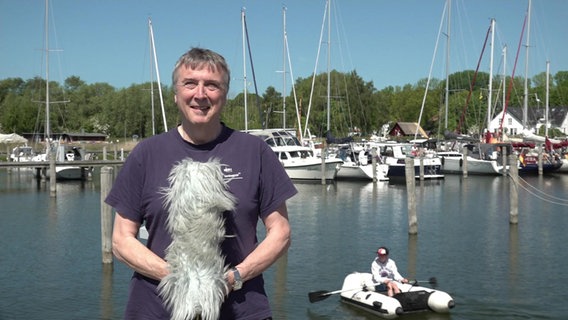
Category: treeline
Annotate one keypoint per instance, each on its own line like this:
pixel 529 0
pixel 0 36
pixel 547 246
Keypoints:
pixel 76 106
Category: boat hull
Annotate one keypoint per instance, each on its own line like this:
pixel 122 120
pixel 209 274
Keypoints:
pixel 432 168
pixel 564 167
pixel 529 165
pixel 455 165
pixel 353 171
pixel 65 173
pixel 312 171
pixel 533 168
pixel 358 291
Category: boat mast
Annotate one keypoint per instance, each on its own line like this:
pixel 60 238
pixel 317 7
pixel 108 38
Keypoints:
pixel 430 74
pixel 328 64
pixel 508 95
pixel 325 15
pixel 287 56
pixel 284 46
pixel 526 92
pixel 244 67
pixel 447 96
pixel 47 127
pixel 490 90
pixel 153 52
pixel 151 80
pixel 504 76
pixel 546 98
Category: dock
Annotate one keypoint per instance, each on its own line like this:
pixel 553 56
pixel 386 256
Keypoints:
pixel 45 164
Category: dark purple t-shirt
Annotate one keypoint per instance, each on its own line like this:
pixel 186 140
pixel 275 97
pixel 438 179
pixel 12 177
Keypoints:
pixel 254 175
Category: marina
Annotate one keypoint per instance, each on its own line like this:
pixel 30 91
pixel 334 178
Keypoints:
pixel 51 257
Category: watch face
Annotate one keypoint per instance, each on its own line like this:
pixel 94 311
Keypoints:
pixel 238 282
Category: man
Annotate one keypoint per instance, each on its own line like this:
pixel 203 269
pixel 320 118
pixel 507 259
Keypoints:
pixel 252 173
pixel 385 273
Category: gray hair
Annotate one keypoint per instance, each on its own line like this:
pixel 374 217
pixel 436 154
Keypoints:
pixel 199 58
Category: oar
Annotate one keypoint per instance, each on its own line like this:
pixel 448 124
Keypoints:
pixel 433 281
pixel 320 295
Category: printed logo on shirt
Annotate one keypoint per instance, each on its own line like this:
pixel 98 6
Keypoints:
pixel 229 175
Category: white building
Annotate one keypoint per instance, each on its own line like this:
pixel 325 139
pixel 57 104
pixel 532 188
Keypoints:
pixel 513 125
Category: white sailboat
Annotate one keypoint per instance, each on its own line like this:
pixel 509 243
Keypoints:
pixel 62 154
pixel 481 158
pixel 358 165
pixel 529 157
pixel 299 161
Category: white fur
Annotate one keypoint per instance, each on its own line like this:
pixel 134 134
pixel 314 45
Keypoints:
pixel 196 200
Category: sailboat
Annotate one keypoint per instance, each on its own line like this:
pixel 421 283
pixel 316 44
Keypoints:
pixel 299 161
pixel 461 153
pixel 358 164
pixel 480 158
pixel 63 154
pixel 530 160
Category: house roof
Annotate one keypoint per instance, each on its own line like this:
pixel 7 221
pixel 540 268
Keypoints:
pixel 407 129
pixel 534 114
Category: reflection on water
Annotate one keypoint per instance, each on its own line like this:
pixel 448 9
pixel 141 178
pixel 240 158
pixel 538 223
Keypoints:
pixel 51 253
pixel 107 306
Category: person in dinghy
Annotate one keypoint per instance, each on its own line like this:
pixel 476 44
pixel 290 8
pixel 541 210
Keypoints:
pixel 385 273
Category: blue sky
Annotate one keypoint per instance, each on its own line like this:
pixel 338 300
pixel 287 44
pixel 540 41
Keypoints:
pixel 388 42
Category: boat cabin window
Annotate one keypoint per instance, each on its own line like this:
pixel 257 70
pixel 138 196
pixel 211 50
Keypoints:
pixel 387 151
pixel 294 154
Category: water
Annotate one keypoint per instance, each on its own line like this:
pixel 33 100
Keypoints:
pixel 50 255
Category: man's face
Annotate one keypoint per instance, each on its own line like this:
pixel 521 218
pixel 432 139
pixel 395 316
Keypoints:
pixel 200 94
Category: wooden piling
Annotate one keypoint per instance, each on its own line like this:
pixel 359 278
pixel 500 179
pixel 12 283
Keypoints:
pixel 374 163
pixel 504 161
pixel 513 189
pixel 106 214
pixel 322 156
pixel 52 175
pixel 421 167
pixel 464 162
pixel 540 160
pixel 411 192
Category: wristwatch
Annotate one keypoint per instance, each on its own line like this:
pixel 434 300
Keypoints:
pixel 238 284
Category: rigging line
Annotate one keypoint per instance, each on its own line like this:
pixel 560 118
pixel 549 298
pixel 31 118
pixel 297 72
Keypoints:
pixel 341 35
pixel 430 72
pixel 462 117
pixel 511 80
pixel 539 194
pixel 263 123
pixel 298 115
pixel 315 70
pixel 539 191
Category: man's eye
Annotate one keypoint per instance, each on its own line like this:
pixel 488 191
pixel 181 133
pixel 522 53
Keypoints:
pixel 190 85
pixel 212 86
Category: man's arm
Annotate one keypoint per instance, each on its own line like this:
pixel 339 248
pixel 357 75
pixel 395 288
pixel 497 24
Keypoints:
pixel 270 249
pixel 128 249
